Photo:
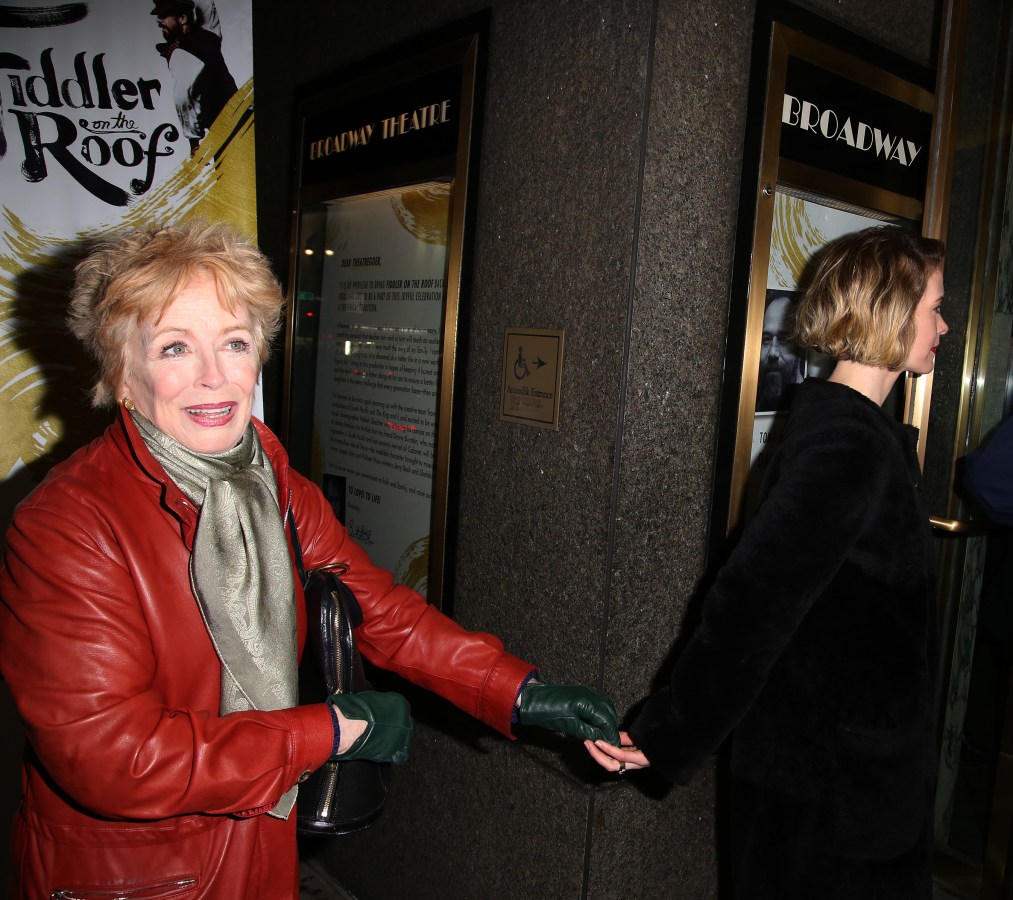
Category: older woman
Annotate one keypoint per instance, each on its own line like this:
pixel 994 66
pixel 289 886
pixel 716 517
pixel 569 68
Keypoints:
pixel 816 645
pixel 151 618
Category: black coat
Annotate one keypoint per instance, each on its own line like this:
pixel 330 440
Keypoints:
pixel 817 648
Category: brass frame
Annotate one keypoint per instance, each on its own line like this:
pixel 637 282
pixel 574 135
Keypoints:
pixel 775 172
pixel 937 202
pixel 462 45
pixel 985 272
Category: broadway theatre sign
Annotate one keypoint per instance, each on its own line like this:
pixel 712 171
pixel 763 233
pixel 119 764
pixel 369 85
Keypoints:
pixel 832 123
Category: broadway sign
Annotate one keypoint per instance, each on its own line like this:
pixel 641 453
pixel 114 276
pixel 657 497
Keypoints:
pixel 832 123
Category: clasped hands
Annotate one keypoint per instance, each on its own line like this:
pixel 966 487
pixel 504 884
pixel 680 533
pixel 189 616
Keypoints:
pixel 377 725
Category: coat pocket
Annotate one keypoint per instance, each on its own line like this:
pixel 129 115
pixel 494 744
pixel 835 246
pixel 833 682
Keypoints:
pixel 180 859
pixel 164 889
pixel 881 789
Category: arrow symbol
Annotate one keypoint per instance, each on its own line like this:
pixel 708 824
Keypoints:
pixel 540 362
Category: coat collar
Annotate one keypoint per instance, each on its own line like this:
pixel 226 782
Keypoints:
pixel 833 398
pixel 128 440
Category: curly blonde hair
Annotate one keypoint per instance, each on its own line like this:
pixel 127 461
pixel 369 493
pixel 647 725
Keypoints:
pixel 133 278
pixel 861 301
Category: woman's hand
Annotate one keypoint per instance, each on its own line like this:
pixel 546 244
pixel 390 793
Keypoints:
pixel 383 722
pixel 573 710
pixel 621 759
pixel 351 731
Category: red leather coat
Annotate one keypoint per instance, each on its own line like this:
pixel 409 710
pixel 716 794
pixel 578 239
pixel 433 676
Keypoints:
pixel 132 780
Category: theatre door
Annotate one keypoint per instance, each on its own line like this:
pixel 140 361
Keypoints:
pixel 974 798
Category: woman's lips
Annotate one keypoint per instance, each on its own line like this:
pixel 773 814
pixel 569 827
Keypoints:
pixel 212 414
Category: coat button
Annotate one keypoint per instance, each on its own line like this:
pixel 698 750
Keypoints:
pixel 304 777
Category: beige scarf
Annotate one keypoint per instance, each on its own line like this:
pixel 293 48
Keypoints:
pixel 240 570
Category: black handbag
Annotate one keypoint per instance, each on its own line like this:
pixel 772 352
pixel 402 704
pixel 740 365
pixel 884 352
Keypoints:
pixel 339 797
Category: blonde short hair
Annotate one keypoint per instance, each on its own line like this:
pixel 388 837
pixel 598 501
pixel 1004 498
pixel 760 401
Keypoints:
pixel 133 278
pixel 861 301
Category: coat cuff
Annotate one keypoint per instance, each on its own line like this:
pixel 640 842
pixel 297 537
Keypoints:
pixel 313 737
pixel 499 693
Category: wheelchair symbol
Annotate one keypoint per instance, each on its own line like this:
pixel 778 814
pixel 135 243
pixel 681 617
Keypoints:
pixel 521 365
pixel 521 370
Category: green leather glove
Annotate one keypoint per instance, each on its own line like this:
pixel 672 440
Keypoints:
pixel 572 709
pixel 388 730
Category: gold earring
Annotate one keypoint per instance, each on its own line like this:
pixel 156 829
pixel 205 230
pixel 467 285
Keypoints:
pixel 127 403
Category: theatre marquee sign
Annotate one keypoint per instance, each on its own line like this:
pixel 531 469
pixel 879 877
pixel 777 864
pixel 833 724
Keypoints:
pixel 833 123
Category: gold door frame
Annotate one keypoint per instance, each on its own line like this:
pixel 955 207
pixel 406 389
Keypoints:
pixel 994 876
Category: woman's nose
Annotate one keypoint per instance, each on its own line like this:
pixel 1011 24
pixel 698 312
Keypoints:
pixel 211 374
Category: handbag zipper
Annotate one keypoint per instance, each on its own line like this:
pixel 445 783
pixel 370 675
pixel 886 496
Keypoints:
pixel 329 791
pixel 150 892
pixel 339 662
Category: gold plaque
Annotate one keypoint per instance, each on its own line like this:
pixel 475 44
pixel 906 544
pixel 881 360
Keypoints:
pixel 532 371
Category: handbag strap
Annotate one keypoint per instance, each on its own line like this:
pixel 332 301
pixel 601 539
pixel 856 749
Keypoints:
pixel 297 548
pixel 352 608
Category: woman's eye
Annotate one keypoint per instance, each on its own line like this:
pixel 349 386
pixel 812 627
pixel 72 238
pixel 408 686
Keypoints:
pixel 238 345
pixel 176 348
